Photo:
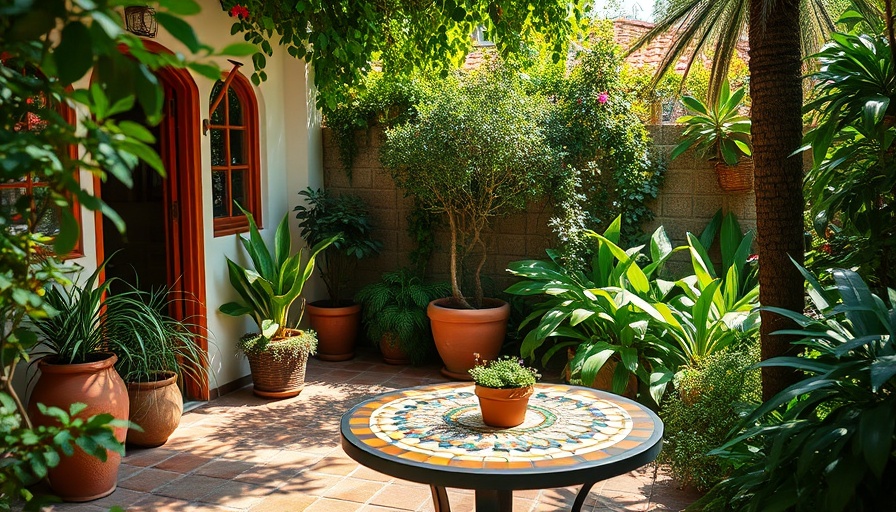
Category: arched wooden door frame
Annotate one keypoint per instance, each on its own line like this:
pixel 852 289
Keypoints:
pixel 183 161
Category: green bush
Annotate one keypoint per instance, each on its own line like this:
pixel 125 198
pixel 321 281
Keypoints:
pixel 706 405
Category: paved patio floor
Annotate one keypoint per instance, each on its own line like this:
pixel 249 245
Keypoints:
pixel 240 453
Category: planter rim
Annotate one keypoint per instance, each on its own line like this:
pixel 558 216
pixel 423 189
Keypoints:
pixel 48 364
pixel 504 393
pixel 168 379
pixel 498 313
pixel 323 305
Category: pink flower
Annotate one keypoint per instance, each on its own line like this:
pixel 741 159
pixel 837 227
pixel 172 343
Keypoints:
pixel 239 10
pixel 603 97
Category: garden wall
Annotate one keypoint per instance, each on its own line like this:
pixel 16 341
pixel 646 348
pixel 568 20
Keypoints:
pixel 689 198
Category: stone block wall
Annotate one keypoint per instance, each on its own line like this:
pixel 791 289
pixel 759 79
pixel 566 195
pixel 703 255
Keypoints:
pixel 689 198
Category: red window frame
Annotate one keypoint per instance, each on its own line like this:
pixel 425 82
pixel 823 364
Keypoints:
pixel 235 221
pixel 31 123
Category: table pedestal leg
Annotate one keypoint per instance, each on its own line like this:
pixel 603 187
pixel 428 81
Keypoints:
pixel 580 498
pixel 494 501
pixel 440 499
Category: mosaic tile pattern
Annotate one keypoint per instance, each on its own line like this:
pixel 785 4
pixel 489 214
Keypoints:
pixel 442 425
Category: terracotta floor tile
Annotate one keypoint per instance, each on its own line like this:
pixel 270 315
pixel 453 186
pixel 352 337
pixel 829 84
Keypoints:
pixel 239 495
pixel 365 473
pixel 149 479
pixel 294 460
pixel 271 476
pixel 351 489
pixel 126 470
pixel 280 502
pixel 335 466
pixel 313 484
pixel 121 497
pixel 190 487
pixel 153 503
pixel 328 505
pixel 223 468
pixel 404 497
pixel 377 508
pixel 622 501
pixel 182 463
pixel 146 457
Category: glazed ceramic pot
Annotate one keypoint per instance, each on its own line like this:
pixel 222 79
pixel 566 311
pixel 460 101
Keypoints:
pixel 390 347
pixel 337 329
pixel 282 376
pixel 461 333
pixel 503 408
pixel 156 407
pixel 82 477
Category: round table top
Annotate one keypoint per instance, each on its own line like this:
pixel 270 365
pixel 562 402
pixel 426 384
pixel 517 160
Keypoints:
pixel 434 434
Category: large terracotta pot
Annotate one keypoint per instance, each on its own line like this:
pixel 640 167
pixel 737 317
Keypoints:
pixel 393 353
pixel 337 329
pixel 503 408
pixel 460 333
pixel 604 378
pixel 82 477
pixel 281 375
pixel 156 407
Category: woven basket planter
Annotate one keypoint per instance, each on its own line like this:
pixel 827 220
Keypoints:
pixel 735 178
pixel 278 373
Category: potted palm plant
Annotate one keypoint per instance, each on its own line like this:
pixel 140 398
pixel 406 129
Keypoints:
pixel 476 151
pixel 718 131
pixel 346 218
pixel 76 366
pixel 503 387
pixel 395 315
pixel 155 351
pixel 277 353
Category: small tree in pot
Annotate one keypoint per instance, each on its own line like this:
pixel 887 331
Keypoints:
pixel 476 151
pixel 277 354
pixel 346 218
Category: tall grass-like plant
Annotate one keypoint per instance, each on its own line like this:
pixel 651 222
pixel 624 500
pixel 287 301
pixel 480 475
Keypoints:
pixel 274 282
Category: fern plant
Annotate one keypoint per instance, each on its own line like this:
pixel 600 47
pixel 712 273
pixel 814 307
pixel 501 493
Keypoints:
pixel 396 305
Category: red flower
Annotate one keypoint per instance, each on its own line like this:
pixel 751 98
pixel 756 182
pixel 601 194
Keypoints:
pixel 826 248
pixel 603 97
pixel 239 10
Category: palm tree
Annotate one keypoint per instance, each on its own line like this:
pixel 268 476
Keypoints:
pixel 780 32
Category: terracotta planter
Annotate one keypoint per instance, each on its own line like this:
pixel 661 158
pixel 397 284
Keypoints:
pixel 460 333
pixel 337 329
pixel 156 407
pixel 503 408
pixel 392 352
pixel 82 477
pixel 604 378
pixel 278 377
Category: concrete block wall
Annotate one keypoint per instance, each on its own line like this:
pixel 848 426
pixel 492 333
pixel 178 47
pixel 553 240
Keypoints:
pixel 690 197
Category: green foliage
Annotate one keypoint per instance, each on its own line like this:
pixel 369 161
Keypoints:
pixel 503 373
pixel 851 188
pixel 396 306
pixel 381 100
pixel 605 312
pixel 477 150
pixel 346 220
pixel 716 129
pixel 288 348
pixel 608 169
pixel 275 280
pixel 343 40
pixel 149 342
pixel 706 405
pixel 40 449
pixel 826 442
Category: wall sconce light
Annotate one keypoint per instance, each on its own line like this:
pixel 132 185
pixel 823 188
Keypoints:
pixel 141 20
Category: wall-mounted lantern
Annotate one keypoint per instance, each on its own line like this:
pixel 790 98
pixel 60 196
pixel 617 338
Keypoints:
pixel 141 20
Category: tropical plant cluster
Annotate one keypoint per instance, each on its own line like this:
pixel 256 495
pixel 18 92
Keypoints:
pixel 504 373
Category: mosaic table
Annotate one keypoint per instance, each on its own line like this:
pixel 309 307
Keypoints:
pixel 434 434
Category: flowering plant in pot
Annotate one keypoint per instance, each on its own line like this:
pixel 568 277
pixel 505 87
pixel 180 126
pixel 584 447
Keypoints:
pixel 346 219
pixel 720 132
pixel 503 387
pixel 477 150
pixel 277 353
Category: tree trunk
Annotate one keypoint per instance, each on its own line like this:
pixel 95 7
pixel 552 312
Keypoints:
pixel 775 88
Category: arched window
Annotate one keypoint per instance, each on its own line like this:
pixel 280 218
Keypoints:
pixel 236 172
pixel 43 214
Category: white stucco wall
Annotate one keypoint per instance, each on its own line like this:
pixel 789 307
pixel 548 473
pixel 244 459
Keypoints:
pixel 290 161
